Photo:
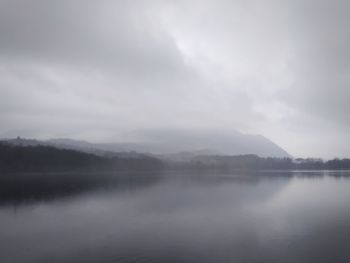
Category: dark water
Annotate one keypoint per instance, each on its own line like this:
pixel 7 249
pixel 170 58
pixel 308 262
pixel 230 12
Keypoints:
pixel 219 217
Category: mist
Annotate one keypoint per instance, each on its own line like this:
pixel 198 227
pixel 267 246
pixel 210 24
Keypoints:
pixel 102 70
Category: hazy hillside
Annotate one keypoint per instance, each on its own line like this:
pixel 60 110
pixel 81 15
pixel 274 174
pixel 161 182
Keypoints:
pixel 176 144
pixel 76 145
pixel 30 158
pixel 213 142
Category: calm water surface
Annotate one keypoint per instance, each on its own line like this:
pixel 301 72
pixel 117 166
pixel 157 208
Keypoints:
pixel 183 217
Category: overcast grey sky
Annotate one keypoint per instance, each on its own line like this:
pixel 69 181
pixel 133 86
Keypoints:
pixel 97 70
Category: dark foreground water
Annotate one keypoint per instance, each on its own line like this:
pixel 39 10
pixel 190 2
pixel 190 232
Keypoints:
pixel 182 217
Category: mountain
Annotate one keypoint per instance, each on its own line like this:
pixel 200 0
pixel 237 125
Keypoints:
pixel 36 158
pixel 168 142
pixel 173 145
pixel 77 145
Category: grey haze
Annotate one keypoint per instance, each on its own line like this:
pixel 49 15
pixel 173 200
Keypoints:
pixel 107 70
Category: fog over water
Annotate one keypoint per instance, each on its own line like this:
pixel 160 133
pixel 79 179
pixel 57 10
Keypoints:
pixel 165 131
pixel 183 217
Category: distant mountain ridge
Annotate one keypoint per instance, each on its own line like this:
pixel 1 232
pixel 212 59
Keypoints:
pixel 171 145
pixel 218 142
pixel 76 145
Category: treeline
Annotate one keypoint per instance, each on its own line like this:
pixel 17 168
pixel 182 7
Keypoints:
pixel 14 158
pixel 49 159
pixel 254 162
pixel 29 173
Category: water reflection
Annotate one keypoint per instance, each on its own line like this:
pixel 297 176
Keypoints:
pixel 22 188
pixel 265 217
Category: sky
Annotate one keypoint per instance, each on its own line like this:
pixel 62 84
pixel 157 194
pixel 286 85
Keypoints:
pixel 101 70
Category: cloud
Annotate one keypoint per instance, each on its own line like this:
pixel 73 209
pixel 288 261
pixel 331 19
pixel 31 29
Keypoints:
pixel 321 64
pixel 99 69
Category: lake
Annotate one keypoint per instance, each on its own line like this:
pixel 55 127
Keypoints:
pixel 186 217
